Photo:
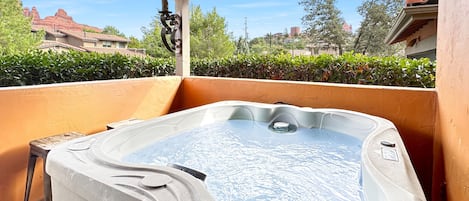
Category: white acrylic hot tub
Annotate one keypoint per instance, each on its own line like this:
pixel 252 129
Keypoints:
pixel 93 168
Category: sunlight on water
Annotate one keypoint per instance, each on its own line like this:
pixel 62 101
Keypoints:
pixel 244 160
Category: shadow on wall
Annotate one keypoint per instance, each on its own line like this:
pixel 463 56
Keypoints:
pixel 35 112
pixel 13 166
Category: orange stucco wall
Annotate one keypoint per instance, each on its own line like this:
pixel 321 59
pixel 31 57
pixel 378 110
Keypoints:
pixel 453 96
pixel 29 113
pixel 411 110
pixel 33 112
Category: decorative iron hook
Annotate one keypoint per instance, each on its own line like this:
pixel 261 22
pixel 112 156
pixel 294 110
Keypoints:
pixel 170 29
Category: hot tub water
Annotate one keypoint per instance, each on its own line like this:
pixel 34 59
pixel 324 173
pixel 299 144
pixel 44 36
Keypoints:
pixel 244 160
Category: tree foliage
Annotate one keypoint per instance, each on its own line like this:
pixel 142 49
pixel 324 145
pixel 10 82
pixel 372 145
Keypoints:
pixel 324 24
pixel 113 31
pixel 276 44
pixel 134 43
pixel 152 41
pixel 15 28
pixel 242 46
pixel 378 18
pixel 209 37
pixel 259 45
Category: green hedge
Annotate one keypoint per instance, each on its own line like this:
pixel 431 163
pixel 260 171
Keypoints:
pixel 348 68
pixel 37 67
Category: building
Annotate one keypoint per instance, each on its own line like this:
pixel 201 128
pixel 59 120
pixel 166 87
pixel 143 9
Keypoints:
pixel 321 47
pixel 416 24
pixel 295 31
pixel 347 27
pixel 64 34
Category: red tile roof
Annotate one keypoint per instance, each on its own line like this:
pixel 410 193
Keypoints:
pixel 47 44
pixel 47 30
pixel 88 36
pixel 122 51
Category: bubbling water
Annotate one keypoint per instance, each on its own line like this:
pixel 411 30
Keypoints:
pixel 244 160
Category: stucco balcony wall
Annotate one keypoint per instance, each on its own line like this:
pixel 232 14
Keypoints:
pixel 28 113
pixel 38 111
pixel 412 110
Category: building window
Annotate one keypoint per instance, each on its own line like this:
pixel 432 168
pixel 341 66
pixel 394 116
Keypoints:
pixel 121 45
pixel 107 44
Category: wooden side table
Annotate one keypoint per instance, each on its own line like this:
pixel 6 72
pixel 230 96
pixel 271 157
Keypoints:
pixel 40 148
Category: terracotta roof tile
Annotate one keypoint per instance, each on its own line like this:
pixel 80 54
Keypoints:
pixel 94 36
pixel 49 44
pixel 114 51
pixel 47 30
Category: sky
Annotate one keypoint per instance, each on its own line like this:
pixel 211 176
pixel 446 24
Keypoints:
pixel 262 16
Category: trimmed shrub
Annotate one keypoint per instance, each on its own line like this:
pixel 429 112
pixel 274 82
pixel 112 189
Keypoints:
pixel 348 68
pixel 38 67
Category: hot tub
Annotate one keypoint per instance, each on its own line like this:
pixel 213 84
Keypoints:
pixel 246 150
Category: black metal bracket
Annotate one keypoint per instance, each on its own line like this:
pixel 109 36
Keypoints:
pixel 171 26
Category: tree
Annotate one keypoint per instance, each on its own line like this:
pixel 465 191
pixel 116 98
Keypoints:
pixel 15 28
pixel 135 43
pixel 242 46
pixel 378 17
pixel 259 45
pixel 269 44
pixel 323 23
pixel 295 43
pixel 113 31
pixel 152 41
pixel 209 37
pixel 285 33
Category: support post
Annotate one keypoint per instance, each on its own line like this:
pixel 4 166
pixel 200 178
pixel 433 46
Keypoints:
pixel 183 56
